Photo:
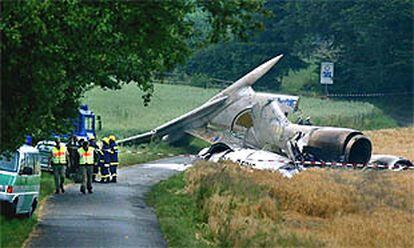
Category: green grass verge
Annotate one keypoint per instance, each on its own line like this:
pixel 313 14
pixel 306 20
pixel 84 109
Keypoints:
pixel 180 220
pixel 13 232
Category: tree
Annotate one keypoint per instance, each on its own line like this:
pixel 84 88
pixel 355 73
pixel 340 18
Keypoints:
pixel 54 51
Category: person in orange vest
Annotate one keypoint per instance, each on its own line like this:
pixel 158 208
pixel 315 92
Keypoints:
pixel 59 162
pixel 113 158
pixel 86 162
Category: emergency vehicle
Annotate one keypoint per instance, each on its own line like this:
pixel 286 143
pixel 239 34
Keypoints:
pixel 20 181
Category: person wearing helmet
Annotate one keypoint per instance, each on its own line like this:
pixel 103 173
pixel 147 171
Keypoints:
pixel 113 158
pixel 59 162
pixel 92 141
pixel 106 160
pixel 100 164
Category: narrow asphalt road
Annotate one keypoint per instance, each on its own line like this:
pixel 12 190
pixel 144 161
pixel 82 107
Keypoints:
pixel 115 215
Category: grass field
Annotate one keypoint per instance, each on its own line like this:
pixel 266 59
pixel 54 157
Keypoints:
pixel 224 205
pixel 350 114
pixel 123 113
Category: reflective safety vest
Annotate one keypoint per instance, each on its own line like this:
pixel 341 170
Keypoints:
pixel 59 155
pixel 86 157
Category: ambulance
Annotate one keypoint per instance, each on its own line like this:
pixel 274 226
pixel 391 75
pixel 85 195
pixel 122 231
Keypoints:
pixel 20 181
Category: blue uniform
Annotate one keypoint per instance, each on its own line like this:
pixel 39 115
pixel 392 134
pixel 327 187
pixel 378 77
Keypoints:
pixel 105 161
pixel 100 161
pixel 113 151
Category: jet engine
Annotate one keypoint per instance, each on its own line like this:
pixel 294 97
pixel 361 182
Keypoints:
pixel 339 144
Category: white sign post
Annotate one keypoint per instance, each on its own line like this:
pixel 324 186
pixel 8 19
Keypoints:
pixel 327 73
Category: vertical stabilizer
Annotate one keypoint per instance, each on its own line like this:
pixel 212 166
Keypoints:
pixel 250 78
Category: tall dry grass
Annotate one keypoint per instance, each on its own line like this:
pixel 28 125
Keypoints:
pixel 333 208
pixel 397 141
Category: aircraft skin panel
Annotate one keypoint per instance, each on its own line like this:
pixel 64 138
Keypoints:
pixel 213 136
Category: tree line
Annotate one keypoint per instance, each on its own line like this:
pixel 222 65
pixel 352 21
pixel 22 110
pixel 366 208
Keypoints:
pixel 52 52
pixel 371 43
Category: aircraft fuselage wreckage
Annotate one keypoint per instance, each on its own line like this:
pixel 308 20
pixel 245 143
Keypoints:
pixel 252 129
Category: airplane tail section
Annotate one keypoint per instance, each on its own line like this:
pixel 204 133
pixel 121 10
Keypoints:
pixel 250 78
pixel 220 108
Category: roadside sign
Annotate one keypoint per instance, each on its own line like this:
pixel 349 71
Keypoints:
pixel 327 72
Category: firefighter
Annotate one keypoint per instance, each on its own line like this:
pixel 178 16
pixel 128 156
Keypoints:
pixel 59 162
pixel 106 160
pixel 100 177
pixel 113 158
pixel 86 162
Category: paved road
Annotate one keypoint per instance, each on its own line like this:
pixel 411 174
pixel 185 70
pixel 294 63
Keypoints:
pixel 115 215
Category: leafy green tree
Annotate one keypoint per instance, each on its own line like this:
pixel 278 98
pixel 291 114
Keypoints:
pixel 54 51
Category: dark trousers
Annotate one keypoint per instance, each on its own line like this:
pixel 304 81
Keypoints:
pixel 104 172
pixel 96 173
pixel 87 172
pixel 59 175
pixel 113 170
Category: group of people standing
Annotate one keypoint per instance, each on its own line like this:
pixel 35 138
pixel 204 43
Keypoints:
pixel 93 161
